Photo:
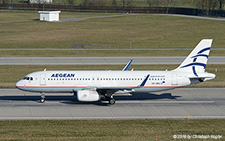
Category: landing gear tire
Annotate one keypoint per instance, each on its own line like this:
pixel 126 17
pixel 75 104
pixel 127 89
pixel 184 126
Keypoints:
pixel 42 100
pixel 112 101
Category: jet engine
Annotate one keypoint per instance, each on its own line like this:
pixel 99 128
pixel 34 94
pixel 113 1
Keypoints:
pixel 87 95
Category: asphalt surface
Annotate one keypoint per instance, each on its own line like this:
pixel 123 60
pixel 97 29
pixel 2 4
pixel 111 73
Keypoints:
pixel 99 60
pixel 177 104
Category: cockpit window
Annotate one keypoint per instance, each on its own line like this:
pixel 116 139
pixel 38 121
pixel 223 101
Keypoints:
pixel 28 78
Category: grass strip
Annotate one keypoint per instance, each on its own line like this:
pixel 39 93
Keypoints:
pixel 144 30
pixel 99 53
pixel 152 129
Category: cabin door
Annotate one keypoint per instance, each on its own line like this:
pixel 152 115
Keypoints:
pixel 43 79
pixel 174 79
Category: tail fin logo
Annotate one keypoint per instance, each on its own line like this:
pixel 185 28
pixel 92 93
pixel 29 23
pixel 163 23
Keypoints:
pixel 194 63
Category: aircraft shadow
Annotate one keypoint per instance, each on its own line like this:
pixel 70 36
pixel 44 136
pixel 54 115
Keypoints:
pixel 146 96
pixel 37 98
pixel 72 99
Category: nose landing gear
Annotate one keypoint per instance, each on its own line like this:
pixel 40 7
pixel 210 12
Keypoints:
pixel 42 98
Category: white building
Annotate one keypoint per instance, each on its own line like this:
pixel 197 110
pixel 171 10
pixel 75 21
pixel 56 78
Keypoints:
pixel 49 15
pixel 40 1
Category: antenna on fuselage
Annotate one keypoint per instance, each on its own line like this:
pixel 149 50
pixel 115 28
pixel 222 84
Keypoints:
pixel 45 69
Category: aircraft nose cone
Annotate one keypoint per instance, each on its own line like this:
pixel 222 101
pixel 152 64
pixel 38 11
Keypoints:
pixel 19 85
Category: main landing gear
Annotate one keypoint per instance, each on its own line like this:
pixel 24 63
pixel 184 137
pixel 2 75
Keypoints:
pixel 110 99
pixel 42 98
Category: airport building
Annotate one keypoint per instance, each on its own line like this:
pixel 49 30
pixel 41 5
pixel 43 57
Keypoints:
pixel 40 1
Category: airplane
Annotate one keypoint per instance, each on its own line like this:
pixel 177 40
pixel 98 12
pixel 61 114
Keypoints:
pixel 104 85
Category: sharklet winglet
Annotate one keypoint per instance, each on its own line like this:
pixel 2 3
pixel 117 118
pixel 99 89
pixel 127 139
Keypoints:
pixel 144 82
pixel 127 66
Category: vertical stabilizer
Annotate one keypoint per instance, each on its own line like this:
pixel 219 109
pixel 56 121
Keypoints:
pixel 197 59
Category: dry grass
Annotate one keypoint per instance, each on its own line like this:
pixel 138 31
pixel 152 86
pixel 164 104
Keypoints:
pixel 108 129
pixel 145 31
pixel 33 15
pixel 92 53
pixel 13 73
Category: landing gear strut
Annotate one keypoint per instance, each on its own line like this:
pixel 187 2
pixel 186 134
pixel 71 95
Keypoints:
pixel 42 98
pixel 107 96
pixel 110 99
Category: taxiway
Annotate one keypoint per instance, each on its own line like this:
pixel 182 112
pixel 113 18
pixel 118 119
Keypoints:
pixel 178 103
pixel 99 60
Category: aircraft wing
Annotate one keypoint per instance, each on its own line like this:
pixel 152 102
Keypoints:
pixel 122 89
pixel 116 89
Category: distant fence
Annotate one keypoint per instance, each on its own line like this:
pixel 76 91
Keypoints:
pixel 111 9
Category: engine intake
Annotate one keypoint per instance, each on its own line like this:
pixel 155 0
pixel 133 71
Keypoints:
pixel 87 95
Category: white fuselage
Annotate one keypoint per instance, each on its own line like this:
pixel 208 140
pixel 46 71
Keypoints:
pixel 72 81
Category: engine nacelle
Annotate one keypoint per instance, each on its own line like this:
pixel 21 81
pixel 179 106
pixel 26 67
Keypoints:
pixel 87 95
